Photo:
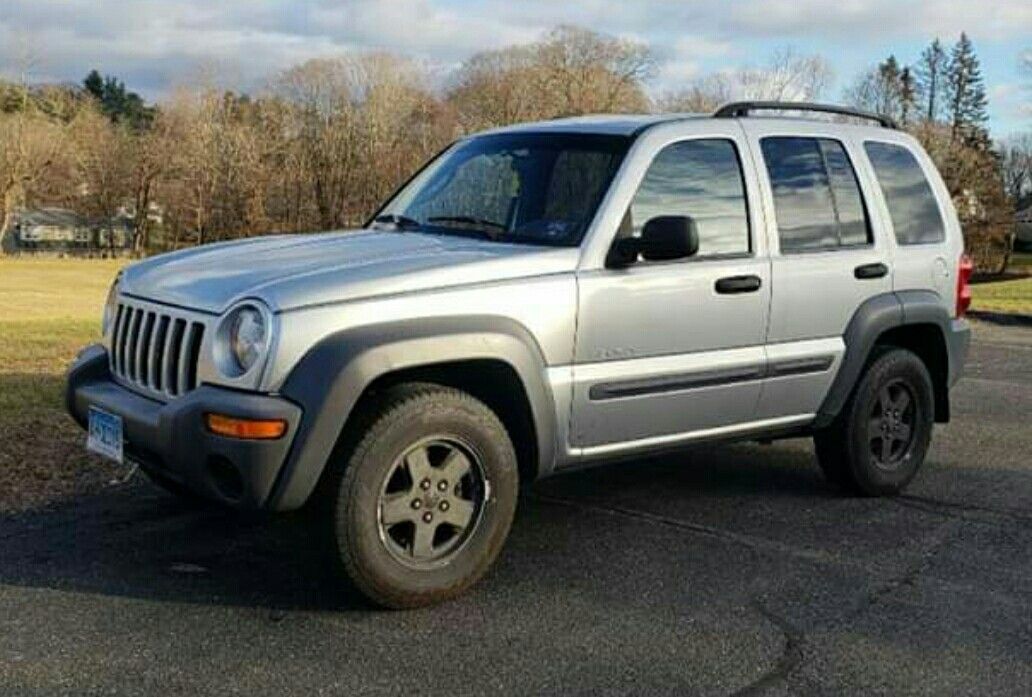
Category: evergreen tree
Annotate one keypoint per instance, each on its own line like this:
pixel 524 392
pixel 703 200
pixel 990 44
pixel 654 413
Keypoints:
pixel 888 74
pixel 907 89
pixel 118 104
pixel 930 74
pixel 94 85
pixel 966 106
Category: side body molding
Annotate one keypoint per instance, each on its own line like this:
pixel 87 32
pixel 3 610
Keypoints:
pixel 878 315
pixel 331 377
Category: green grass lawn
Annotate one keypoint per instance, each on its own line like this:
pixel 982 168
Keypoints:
pixel 1012 296
pixel 1021 262
pixel 49 309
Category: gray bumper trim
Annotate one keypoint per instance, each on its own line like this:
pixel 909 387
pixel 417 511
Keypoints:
pixel 171 438
pixel 958 343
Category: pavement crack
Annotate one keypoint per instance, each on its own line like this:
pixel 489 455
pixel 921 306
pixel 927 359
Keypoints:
pixel 908 577
pixel 791 655
pixel 753 542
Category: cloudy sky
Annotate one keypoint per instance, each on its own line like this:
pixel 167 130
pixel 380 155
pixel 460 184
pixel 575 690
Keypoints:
pixel 152 44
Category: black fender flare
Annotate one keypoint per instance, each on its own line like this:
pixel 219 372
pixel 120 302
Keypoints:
pixel 875 316
pixel 331 377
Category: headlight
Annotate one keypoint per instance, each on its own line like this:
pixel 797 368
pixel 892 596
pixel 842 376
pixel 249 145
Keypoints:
pixel 110 307
pixel 248 336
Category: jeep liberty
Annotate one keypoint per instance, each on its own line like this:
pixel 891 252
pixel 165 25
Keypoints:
pixel 538 298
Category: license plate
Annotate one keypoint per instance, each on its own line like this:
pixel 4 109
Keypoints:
pixel 105 434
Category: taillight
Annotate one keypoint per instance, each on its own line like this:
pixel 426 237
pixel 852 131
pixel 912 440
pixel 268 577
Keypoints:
pixel 964 270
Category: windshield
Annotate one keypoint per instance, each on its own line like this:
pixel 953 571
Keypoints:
pixel 528 188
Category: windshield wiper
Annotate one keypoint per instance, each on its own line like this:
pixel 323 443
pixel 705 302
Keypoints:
pixel 476 233
pixel 468 220
pixel 400 222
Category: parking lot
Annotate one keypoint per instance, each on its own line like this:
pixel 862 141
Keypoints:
pixel 723 570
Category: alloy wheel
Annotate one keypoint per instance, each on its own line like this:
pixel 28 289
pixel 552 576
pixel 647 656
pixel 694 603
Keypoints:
pixel 431 502
pixel 891 425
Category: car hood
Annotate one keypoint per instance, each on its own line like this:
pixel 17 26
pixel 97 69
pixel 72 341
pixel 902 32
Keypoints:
pixel 291 271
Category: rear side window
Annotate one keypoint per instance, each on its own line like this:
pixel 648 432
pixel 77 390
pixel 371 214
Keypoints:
pixel 702 179
pixel 912 206
pixel 817 199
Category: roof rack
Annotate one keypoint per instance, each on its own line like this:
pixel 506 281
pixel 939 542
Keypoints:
pixel 739 109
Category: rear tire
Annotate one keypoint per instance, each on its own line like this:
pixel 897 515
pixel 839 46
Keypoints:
pixel 424 495
pixel 880 439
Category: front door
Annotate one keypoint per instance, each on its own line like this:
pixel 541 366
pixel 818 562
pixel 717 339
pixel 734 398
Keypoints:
pixel 668 350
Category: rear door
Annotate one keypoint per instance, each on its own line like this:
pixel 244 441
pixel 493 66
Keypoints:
pixel 827 255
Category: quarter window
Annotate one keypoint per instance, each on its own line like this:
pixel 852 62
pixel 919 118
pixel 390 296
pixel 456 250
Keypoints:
pixel 701 179
pixel 912 206
pixel 817 199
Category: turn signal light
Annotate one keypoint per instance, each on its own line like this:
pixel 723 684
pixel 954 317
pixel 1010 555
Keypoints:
pixel 250 429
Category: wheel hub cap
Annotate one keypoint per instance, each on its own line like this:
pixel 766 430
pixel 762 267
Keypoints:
pixel 892 424
pixel 431 502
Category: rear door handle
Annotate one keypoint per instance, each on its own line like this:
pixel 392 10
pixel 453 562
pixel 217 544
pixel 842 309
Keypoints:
pixel 865 271
pixel 738 284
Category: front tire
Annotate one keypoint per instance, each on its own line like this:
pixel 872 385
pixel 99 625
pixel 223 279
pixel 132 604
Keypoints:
pixel 879 441
pixel 425 497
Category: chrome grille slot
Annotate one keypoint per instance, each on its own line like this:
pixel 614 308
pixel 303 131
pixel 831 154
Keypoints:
pixel 155 349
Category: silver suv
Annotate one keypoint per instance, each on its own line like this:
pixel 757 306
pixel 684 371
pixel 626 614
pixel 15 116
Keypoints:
pixel 535 299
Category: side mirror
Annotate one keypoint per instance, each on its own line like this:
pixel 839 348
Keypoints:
pixel 664 238
pixel 667 237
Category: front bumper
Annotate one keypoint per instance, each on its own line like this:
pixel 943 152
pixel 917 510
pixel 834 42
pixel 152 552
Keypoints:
pixel 171 440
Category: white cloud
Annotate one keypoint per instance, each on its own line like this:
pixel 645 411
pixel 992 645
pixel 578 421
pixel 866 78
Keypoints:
pixel 877 19
pixel 682 61
pixel 151 43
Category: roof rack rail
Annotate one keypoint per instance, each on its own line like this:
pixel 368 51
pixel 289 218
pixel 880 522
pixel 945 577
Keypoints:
pixel 738 109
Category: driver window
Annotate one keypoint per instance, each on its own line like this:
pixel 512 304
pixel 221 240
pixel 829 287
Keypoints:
pixel 701 179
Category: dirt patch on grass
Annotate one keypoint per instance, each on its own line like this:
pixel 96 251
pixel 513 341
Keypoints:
pixel 49 310
pixel 43 460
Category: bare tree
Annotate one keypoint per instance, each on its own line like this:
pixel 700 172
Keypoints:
pixel 32 145
pixel 571 71
pixel 354 126
pixel 1015 155
pixel 702 96
pixel 103 156
pixel 787 76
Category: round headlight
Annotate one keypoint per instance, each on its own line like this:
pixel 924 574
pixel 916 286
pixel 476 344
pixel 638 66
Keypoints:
pixel 248 335
pixel 110 308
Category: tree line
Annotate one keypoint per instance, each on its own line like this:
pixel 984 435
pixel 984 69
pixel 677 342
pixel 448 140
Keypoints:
pixel 327 140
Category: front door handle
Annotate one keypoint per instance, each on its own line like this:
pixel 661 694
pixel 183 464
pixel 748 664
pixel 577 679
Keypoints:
pixel 865 271
pixel 738 284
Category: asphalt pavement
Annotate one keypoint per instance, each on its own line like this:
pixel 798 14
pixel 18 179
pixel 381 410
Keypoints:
pixel 725 570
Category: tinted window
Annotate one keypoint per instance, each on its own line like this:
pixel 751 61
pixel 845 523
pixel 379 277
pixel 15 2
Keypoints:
pixel 701 179
pixel 482 188
pixel 577 181
pixel 912 206
pixel 849 205
pixel 817 200
pixel 526 188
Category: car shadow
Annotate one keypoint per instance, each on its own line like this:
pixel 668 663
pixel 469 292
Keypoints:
pixel 135 541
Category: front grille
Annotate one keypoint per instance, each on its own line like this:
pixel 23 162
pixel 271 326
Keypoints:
pixel 155 349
